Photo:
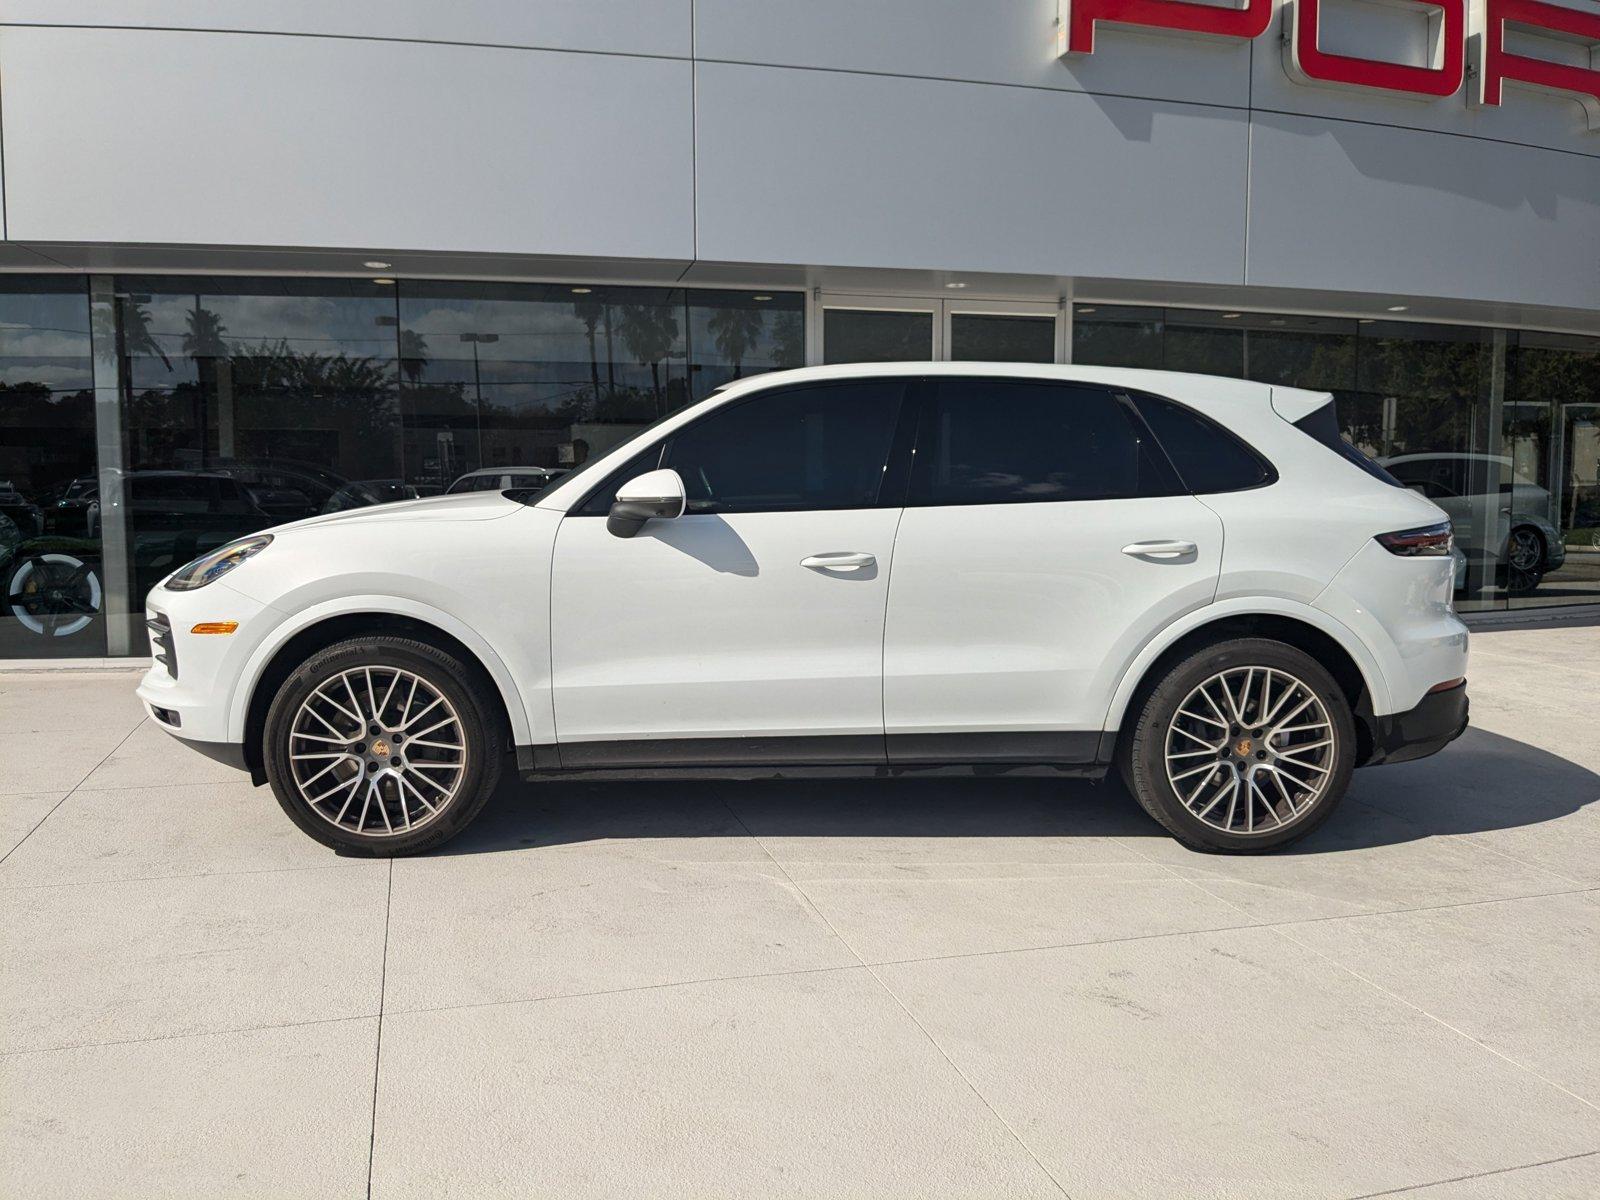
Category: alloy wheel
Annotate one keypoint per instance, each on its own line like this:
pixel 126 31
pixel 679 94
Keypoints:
pixel 377 751
pixel 1250 750
pixel 1524 561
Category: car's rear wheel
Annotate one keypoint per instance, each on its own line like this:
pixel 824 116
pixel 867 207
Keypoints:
pixel 1242 746
pixel 383 746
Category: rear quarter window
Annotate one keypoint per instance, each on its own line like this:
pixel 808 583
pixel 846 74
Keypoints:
pixel 1206 456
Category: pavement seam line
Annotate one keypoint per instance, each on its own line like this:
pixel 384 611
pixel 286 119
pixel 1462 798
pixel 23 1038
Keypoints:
pixel 1417 1187
pixel 1474 839
pixel 1282 931
pixel 65 883
pixel 932 958
pixel 377 1051
pixel 73 790
pixel 178 1037
pixel 888 991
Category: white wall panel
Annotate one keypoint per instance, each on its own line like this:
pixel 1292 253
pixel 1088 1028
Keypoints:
pixel 634 26
pixel 226 138
pixel 999 41
pixel 1381 30
pixel 858 170
pixel 1362 208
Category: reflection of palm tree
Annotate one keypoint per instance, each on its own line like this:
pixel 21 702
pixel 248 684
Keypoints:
pixel 735 331
pixel 133 333
pixel 413 355
pixel 650 332
pixel 202 342
pixel 589 312
pixel 203 338
pixel 788 340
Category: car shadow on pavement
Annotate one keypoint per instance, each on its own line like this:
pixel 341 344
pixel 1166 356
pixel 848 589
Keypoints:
pixel 1481 782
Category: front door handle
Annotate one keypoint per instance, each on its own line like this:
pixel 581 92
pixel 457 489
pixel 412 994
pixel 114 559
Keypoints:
pixel 847 561
pixel 1173 549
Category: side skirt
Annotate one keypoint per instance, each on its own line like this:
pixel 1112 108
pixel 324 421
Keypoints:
pixel 1079 755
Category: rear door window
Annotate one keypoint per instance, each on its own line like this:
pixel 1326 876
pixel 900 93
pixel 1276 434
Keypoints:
pixel 1011 441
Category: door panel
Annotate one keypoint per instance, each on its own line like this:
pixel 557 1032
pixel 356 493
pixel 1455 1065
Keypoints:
pixel 1012 617
pixel 709 626
pixel 1046 541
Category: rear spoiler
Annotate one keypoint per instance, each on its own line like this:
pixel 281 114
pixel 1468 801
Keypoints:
pixel 1295 404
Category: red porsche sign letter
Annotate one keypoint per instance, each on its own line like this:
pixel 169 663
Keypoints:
pixel 1495 64
pixel 1079 17
pixel 1313 65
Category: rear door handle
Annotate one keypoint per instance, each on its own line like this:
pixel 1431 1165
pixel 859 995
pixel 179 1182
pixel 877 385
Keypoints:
pixel 1173 549
pixel 845 561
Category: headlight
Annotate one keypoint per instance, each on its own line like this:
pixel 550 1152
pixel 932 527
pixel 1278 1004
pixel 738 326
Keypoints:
pixel 209 568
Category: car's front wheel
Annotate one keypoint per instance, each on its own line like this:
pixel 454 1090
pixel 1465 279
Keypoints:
pixel 383 746
pixel 1242 746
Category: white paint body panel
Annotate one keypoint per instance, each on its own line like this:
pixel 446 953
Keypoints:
pixel 1014 617
pixel 1021 617
pixel 708 626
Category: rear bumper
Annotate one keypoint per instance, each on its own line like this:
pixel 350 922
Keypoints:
pixel 1418 732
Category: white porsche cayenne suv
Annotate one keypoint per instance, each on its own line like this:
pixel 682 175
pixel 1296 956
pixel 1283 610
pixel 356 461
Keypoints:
pixel 888 569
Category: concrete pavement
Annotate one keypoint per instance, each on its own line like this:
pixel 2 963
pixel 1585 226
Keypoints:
pixel 913 988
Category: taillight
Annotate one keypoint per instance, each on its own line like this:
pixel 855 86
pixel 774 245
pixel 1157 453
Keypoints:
pixel 1431 541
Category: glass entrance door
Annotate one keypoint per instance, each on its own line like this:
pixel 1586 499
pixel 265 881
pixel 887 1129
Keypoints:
pixel 902 329
pixel 864 329
pixel 1003 331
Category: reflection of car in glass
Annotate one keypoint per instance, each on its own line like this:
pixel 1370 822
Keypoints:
pixel 499 479
pixel 10 539
pixel 714 594
pixel 288 490
pixel 24 514
pixel 1524 545
pixel 69 509
pixel 53 586
pixel 363 493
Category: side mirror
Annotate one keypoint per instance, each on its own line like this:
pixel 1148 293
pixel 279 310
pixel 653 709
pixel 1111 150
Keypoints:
pixel 653 494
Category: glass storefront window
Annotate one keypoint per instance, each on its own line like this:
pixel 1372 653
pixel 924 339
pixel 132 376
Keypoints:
pixel 1107 336
pixel 248 403
pixel 736 334
pixel 52 581
pixel 245 403
pixel 1551 447
pixel 550 375
pixel 542 375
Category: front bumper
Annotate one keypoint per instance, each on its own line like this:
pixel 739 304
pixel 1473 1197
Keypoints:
pixel 190 687
pixel 1418 732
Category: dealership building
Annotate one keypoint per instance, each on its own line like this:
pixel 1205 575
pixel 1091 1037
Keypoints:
pixel 263 260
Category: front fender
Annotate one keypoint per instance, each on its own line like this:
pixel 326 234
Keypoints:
pixel 1366 662
pixel 529 722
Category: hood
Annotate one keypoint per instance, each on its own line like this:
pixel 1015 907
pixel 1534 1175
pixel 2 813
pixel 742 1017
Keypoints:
pixel 467 506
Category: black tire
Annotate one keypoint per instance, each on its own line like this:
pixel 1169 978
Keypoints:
pixel 1525 578
pixel 475 707
pixel 1141 750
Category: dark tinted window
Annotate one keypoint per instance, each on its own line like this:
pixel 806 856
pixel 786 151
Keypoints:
pixel 811 447
pixel 987 441
pixel 1207 456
